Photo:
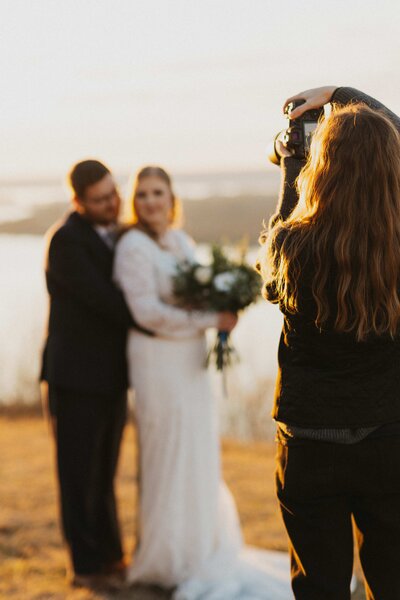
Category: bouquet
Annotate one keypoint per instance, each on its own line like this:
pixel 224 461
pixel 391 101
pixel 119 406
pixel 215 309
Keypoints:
pixel 224 285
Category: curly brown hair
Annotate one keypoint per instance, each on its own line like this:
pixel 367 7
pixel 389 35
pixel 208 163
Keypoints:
pixel 347 222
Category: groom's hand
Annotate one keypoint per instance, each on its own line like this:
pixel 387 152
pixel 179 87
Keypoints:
pixel 227 321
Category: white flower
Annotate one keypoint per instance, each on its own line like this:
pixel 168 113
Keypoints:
pixel 203 275
pixel 224 282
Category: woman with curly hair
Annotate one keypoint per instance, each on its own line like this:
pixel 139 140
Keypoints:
pixel 331 260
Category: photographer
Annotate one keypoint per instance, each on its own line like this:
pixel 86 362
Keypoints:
pixel 332 262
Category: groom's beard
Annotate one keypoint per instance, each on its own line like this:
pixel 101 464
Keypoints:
pixel 106 216
pixel 101 222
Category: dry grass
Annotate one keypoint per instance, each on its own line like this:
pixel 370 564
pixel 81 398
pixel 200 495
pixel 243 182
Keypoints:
pixel 32 558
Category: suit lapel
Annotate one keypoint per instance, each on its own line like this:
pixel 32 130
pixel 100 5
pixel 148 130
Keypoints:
pixel 100 249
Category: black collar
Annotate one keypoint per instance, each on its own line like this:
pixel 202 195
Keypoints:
pixel 86 229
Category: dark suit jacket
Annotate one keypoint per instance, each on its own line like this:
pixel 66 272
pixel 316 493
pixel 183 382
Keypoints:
pixel 88 322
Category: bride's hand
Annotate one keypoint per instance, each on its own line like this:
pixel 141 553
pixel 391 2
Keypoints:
pixel 314 98
pixel 227 321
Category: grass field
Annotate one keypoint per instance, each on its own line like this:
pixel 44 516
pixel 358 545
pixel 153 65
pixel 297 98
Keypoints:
pixel 32 557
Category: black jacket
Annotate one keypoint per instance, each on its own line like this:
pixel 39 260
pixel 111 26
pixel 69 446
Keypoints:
pixel 328 379
pixel 85 348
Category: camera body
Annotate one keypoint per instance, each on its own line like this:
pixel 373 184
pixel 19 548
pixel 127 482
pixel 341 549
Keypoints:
pixel 297 136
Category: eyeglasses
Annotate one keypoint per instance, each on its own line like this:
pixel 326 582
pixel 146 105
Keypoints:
pixel 104 199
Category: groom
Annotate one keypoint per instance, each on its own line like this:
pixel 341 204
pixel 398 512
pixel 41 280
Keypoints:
pixel 85 367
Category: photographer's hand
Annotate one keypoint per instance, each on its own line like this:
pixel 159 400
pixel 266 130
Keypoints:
pixel 281 149
pixel 314 98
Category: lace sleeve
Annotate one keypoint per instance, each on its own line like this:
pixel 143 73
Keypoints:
pixel 135 274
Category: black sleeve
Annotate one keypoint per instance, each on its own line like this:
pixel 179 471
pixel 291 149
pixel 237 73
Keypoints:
pixel 288 198
pixel 348 95
pixel 70 266
pixel 287 202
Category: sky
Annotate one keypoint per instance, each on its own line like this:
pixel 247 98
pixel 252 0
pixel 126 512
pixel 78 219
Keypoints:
pixel 193 85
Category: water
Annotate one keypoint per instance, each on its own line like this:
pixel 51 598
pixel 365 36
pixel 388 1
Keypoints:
pixel 23 309
pixel 23 312
pixel 18 199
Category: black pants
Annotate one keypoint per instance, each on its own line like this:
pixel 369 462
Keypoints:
pixel 321 487
pixel 88 435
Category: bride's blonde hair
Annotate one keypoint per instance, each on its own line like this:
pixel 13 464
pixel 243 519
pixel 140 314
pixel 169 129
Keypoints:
pixel 160 173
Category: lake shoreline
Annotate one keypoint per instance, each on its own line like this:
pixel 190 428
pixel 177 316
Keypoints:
pixel 213 219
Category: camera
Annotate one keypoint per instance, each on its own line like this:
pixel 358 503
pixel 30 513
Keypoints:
pixel 297 137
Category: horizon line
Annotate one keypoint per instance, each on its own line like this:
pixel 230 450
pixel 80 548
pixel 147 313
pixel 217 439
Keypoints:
pixel 47 180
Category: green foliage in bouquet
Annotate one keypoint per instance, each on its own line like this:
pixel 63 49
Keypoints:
pixel 224 285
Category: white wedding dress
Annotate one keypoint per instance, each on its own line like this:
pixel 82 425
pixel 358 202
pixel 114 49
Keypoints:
pixel 189 531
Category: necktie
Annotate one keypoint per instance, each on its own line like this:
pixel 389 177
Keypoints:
pixel 110 238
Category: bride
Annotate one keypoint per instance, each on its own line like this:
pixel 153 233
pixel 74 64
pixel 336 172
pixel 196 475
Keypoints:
pixel 189 532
